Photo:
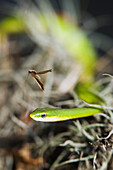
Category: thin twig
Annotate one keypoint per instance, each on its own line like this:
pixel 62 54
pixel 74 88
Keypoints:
pixel 21 124
pixel 73 144
pixel 75 160
pixel 98 106
pixel 108 136
pixel 106 74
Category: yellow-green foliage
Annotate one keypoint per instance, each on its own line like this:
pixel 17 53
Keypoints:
pixel 78 45
pixel 74 40
pixel 11 25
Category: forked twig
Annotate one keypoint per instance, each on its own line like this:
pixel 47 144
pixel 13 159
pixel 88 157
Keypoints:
pixel 36 77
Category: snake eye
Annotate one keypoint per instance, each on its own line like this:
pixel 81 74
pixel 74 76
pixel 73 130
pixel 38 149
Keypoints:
pixel 43 115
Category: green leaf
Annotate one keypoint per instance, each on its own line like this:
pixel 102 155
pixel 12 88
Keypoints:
pixel 84 93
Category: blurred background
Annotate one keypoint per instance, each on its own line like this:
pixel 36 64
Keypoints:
pixel 75 39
